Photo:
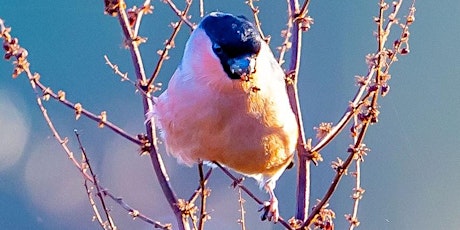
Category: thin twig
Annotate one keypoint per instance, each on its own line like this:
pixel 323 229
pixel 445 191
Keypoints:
pixel 22 65
pixel 135 213
pixel 13 49
pixel 404 36
pixel 197 192
pixel 340 171
pixel 204 194
pixel 179 13
pixel 60 97
pixel 297 18
pixel 47 91
pixel 239 183
pixel 124 77
pixel 97 215
pixel 304 10
pixel 371 115
pixel 357 195
pixel 342 167
pixel 95 182
pixel 145 8
pixel 169 45
pixel 255 13
pixel 286 45
pixel 241 202
pixel 351 109
pixel 201 8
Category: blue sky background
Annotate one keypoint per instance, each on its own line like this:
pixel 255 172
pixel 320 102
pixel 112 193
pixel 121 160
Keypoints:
pixel 410 176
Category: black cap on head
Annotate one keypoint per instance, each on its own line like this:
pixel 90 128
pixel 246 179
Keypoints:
pixel 232 37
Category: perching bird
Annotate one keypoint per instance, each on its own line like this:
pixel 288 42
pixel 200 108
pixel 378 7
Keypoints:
pixel 227 103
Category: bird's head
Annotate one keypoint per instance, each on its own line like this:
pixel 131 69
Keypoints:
pixel 233 41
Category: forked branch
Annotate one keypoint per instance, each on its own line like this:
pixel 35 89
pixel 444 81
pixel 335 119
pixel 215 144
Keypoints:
pixel 133 41
pixel 365 108
pixel 22 65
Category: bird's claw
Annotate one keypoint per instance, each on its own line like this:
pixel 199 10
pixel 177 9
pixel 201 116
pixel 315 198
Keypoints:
pixel 270 211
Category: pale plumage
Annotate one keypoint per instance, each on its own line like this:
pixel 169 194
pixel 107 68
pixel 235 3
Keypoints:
pixel 227 102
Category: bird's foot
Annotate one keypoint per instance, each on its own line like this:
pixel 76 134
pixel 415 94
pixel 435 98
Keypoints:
pixel 270 210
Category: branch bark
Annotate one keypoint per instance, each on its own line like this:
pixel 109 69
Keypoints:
pixel 156 160
pixel 303 174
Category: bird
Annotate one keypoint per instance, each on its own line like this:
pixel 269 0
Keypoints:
pixel 227 103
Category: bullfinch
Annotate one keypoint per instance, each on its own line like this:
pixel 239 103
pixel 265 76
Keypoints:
pixel 227 103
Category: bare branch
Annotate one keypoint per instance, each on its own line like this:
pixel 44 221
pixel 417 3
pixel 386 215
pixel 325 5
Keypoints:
pixel 201 8
pixel 304 10
pixel 12 49
pixel 205 192
pixel 364 84
pixel 303 180
pixel 124 77
pixel 97 215
pixel 168 45
pixel 146 8
pixel 22 65
pixel 379 65
pixel 197 192
pixel 353 218
pixel 286 45
pixel 241 201
pixel 135 213
pixel 157 162
pixel 363 109
pixel 239 183
pixel 255 13
pixel 95 182
pixel 179 13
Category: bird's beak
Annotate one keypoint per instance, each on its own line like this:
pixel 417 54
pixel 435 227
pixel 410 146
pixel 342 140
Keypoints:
pixel 243 66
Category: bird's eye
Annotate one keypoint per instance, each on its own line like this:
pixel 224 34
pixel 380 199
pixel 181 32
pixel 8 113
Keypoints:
pixel 217 48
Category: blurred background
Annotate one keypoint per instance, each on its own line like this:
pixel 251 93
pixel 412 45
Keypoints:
pixel 410 175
